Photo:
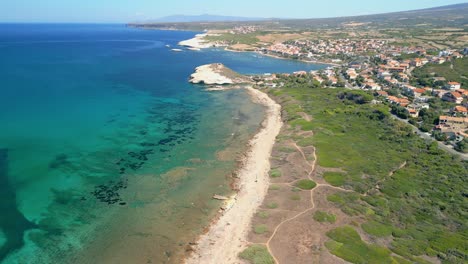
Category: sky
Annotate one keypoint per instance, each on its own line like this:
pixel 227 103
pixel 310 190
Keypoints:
pixel 123 11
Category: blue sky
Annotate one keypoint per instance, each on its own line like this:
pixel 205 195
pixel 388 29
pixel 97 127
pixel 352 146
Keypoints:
pixel 137 10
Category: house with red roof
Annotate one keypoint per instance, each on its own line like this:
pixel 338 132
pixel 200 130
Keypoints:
pixel 453 97
pixel 462 110
pixel 454 85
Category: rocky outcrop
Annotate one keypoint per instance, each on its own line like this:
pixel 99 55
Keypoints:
pixel 216 74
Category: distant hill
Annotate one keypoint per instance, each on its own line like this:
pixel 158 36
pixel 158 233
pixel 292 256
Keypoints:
pixel 203 18
pixel 444 16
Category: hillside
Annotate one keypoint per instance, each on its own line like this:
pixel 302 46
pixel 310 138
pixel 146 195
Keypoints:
pixel 202 18
pixel 445 16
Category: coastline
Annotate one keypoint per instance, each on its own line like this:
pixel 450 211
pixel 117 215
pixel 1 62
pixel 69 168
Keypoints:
pixel 198 42
pixel 283 58
pixel 226 235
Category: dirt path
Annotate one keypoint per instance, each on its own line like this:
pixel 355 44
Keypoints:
pixel 390 174
pixel 312 202
pixel 312 206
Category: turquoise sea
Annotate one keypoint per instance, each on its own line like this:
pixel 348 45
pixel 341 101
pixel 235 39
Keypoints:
pixel 107 153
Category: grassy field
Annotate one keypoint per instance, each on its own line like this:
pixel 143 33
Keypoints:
pixel 421 209
pixel 248 39
pixel 334 178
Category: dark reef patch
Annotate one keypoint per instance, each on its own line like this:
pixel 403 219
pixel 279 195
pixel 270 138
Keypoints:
pixel 58 161
pixel 12 221
pixel 109 193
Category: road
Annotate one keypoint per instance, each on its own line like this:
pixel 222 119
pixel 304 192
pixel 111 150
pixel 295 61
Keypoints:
pixel 442 146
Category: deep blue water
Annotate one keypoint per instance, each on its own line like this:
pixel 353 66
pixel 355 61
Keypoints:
pixel 105 147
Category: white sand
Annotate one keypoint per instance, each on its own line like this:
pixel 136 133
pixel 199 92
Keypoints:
pixel 226 238
pixel 210 74
pixel 197 42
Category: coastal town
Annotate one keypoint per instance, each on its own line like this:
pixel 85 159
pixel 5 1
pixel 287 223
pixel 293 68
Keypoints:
pixel 395 75
pixel 412 93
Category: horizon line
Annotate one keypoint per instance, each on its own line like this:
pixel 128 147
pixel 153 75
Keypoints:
pixel 260 19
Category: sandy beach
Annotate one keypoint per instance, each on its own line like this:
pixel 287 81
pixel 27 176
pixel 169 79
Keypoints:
pixel 226 237
pixel 196 43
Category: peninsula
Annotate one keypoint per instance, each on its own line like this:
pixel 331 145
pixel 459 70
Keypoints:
pixel 216 73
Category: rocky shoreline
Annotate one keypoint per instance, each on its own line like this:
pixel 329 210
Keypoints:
pixel 216 74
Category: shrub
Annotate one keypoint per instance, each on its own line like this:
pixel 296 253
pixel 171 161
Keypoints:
pixel 377 229
pixel 306 184
pixel 263 214
pixel 323 217
pixel 257 254
pixel 272 205
pixel 260 229
pixel 274 187
pixel 275 173
pixel 349 246
pixel 296 197
pixel 334 178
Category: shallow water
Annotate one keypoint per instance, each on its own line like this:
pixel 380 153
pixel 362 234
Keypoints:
pixel 107 154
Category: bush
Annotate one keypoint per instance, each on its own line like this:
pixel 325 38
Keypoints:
pixel 257 254
pixel 334 178
pixel 349 246
pixel 260 229
pixel 377 229
pixel 272 205
pixel 358 97
pixel 306 184
pixel 296 197
pixel 275 173
pixel 274 187
pixel 323 217
pixel 263 214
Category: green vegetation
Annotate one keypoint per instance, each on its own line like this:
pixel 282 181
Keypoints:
pixel 260 229
pixel 248 39
pixel 272 205
pixel 324 217
pixel 274 187
pixel 462 146
pixel 263 214
pixel 421 208
pixel 306 184
pixel 347 244
pixel 257 254
pixel 459 72
pixel 334 178
pixel 295 197
pixel 377 229
pixel 287 149
pixel 356 96
pixel 275 173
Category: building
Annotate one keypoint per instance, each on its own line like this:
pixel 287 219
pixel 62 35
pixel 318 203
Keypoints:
pixel 454 85
pixel 460 110
pixel 413 112
pixel 453 124
pixel 453 97
pixel 399 101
